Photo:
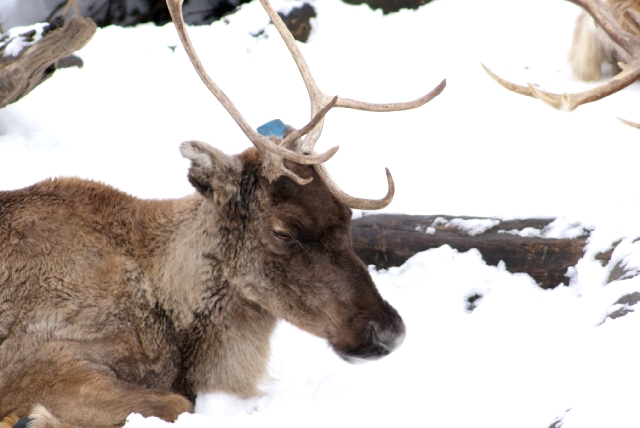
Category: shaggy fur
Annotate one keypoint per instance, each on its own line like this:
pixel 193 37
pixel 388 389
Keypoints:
pixel 111 304
pixel 592 47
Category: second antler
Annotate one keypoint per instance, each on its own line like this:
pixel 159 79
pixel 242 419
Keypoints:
pixel 629 48
pixel 278 150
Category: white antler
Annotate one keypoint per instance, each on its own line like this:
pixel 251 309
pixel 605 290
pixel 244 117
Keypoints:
pixel 277 150
pixel 630 123
pixel 264 144
pixel 67 6
pixel 628 46
pixel 319 99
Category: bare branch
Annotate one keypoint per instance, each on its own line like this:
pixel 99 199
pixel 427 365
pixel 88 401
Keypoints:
pixel 19 75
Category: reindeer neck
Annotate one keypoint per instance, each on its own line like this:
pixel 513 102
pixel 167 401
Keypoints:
pixel 197 260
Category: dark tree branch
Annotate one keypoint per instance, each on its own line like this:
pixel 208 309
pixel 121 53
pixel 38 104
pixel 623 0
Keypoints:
pixel 36 63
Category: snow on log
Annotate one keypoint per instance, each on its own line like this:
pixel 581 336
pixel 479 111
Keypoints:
pixel 543 248
pixel 28 56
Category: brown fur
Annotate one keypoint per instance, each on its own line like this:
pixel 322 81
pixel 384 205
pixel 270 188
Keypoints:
pixel 592 47
pixel 111 304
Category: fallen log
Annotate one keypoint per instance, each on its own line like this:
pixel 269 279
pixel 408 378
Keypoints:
pixel 386 240
pixel 35 62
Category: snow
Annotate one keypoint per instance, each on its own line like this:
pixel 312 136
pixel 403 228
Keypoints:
pixel 472 226
pixel 16 39
pixel 560 228
pixel 524 356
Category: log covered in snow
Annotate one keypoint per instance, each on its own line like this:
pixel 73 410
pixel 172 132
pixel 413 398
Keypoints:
pixel 526 245
pixel 29 57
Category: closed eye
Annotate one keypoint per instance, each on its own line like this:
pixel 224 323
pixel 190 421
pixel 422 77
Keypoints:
pixel 282 235
pixel 285 237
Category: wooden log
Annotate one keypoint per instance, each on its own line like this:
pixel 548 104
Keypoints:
pixel 386 240
pixel 36 63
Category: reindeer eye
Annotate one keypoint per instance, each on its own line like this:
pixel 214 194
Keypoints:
pixel 286 238
pixel 282 235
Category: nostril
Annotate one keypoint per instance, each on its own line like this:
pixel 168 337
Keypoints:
pixel 388 337
pixel 375 340
pixel 385 339
pixel 376 347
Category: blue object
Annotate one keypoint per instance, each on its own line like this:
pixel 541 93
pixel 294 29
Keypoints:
pixel 273 128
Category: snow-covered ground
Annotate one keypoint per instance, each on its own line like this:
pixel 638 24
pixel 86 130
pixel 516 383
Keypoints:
pixel 525 356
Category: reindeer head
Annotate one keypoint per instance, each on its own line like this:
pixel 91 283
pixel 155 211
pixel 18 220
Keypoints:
pixel 296 220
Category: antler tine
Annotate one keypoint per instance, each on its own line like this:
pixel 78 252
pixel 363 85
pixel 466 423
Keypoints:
pixel 569 102
pixel 635 17
pixel 314 135
pixel 357 203
pixel 67 6
pixel 385 107
pixel 319 99
pixel 263 143
pixel 373 204
pixel 629 44
pixel 519 89
pixel 305 130
pixel 628 122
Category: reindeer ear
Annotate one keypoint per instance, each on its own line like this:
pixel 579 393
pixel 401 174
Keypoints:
pixel 213 173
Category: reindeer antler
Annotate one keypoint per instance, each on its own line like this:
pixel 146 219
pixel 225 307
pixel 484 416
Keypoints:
pixel 276 150
pixel 628 48
pixel 319 99
pixel 628 122
pixel 264 144
pixel 68 6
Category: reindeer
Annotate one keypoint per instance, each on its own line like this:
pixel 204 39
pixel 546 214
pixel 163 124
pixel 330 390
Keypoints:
pixel 111 304
pixel 591 46
pixel 614 38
